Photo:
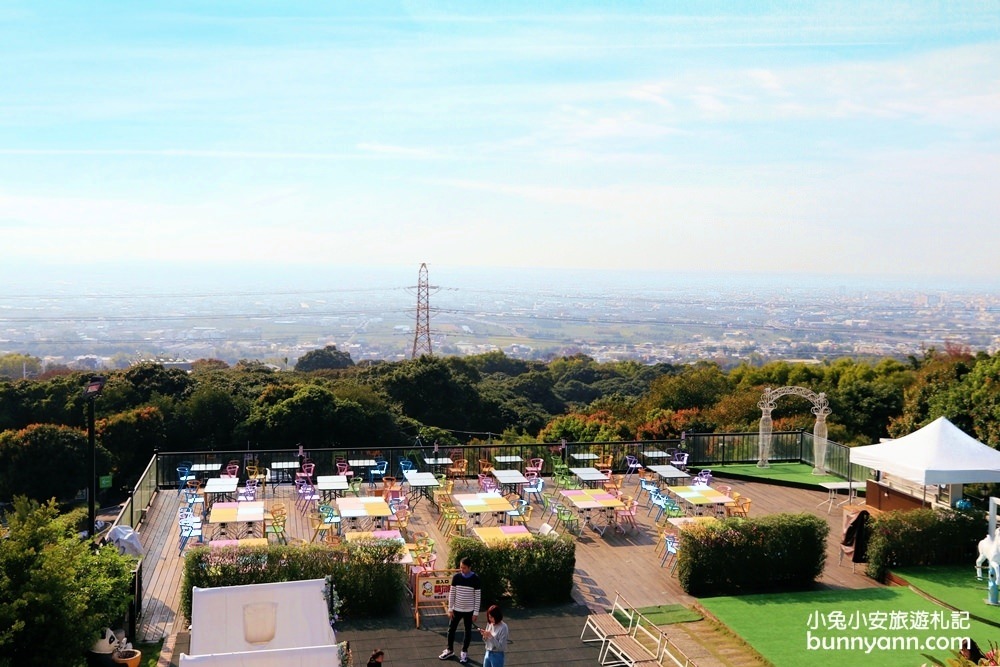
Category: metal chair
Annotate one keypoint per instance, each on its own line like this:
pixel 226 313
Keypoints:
pixel 632 466
pixel 534 488
pixel 379 471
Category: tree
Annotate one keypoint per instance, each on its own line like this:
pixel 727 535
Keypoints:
pixel 17 366
pixel 44 461
pixel 57 593
pixel 327 358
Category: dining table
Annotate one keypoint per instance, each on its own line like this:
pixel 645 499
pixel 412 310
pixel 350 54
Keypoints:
pixel 244 514
pixel 700 497
pixel 669 472
pixel 331 486
pixel 493 534
pixel 421 484
pixel 219 486
pixel 589 476
pixel 477 504
pixel 512 480
pixel 355 510
pixel 587 500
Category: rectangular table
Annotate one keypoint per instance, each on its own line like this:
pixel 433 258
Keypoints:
pixel 438 461
pixel 477 504
pixel 833 488
pixel 215 486
pixel 586 456
pixel 223 514
pixel 591 476
pixel 500 533
pixel 700 496
pixel 585 500
pixel 362 463
pixel 331 485
pixel 510 478
pixel 656 454
pixel 366 507
pixel 421 484
pixel 511 458
pixel 668 472
pixel 284 468
pixel 206 467
pixel 245 542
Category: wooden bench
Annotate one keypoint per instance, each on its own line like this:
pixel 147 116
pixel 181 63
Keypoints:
pixel 606 625
pixel 641 646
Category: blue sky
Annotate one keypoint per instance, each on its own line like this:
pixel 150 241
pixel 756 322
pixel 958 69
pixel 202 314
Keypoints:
pixel 787 137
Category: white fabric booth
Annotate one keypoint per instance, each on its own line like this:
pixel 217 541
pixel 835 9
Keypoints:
pixel 939 453
pixel 283 623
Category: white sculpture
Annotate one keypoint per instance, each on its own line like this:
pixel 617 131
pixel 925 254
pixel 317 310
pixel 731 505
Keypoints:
pixel 989 553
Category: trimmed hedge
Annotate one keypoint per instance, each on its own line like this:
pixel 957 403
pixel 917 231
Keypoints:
pixel 531 572
pixel 923 537
pixel 368 583
pixel 736 555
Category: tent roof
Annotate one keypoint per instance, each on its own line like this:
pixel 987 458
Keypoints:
pixel 939 453
pixel 259 617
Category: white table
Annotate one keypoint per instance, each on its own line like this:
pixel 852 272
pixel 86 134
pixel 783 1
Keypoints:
pixel 438 461
pixel 511 458
pixel 511 478
pixel 668 473
pixel 421 483
pixel 284 467
pixel 833 488
pixel 206 467
pixel 225 486
pixel 362 463
pixel 589 475
pixel 585 457
pixel 331 485
pixel 656 454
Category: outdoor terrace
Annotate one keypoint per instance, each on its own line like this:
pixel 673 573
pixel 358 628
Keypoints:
pixel 624 563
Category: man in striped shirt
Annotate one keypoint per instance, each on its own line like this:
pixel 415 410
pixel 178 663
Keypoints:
pixel 464 599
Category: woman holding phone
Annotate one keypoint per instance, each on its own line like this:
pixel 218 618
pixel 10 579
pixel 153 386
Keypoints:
pixel 495 636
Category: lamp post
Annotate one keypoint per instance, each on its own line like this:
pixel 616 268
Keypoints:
pixel 90 392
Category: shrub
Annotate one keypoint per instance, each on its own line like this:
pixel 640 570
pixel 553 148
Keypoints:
pixel 367 580
pixel 779 551
pixel 531 572
pixel 922 537
pixel 59 592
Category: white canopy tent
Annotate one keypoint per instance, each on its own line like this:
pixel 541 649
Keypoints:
pixel 282 623
pixel 939 453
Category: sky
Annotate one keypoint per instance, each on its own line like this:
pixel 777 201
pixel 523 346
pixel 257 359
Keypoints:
pixel 831 138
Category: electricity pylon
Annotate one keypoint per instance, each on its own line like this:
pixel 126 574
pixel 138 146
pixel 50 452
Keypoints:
pixel 422 332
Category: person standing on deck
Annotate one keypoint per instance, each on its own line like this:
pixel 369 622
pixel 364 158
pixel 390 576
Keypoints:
pixel 464 600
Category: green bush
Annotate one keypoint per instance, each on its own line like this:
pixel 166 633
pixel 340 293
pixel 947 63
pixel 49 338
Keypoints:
pixel 367 580
pixel 778 551
pixel 922 537
pixel 530 572
pixel 58 592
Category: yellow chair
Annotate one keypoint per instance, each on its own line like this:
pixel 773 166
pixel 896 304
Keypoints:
pixel 277 528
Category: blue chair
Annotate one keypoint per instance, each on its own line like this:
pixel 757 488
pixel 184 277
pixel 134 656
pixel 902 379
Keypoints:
pixel 183 475
pixel 650 486
pixel 404 466
pixel 378 472
pixel 534 488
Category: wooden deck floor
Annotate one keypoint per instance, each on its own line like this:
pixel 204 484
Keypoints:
pixel 604 565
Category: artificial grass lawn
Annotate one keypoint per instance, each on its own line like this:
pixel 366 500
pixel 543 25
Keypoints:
pixel 779 625
pixel 664 614
pixel 797 473
pixel 954 585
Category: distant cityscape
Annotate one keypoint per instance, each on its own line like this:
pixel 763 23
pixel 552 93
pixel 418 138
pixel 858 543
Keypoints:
pixel 648 318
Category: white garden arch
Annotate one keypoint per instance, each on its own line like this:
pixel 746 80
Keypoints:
pixel 820 408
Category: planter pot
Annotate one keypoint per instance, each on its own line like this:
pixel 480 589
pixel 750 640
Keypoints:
pixel 129 656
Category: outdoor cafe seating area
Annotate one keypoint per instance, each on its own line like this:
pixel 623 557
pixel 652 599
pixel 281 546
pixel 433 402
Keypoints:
pixel 239 503
pixel 641 503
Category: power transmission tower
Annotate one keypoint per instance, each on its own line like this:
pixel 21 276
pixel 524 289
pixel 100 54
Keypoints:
pixel 422 332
